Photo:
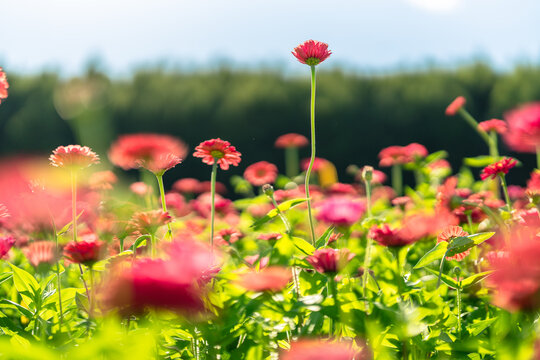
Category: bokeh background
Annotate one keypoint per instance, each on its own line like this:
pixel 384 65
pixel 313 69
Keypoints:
pixel 85 72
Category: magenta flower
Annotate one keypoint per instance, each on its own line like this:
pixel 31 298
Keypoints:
pixel 341 211
pixel 312 52
pixel 330 260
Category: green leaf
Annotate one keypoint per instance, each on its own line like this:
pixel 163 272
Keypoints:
pixel 323 240
pixel 435 156
pixel 284 206
pixel 480 237
pixel 82 302
pixel 303 245
pixel 5 276
pixel 24 311
pixel 459 245
pixel 432 255
pixel 445 278
pixel 481 161
pixel 139 242
pixel 68 225
pixel 476 328
pixel 24 282
pixel 473 279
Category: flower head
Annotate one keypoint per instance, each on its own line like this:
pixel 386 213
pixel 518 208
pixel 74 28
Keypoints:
pixel 273 278
pixel 4 85
pixel 227 236
pixel 6 243
pixel 149 221
pixel 341 211
pixel 455 105
pixel 330 261
pixel 261 173
pixel 187 185
pixel 386 236
pixel 154 152
pixel 217 150
pixel 315 349
pixel 291 140
pixel 270 236
pixel 497 168
pixel 523 133
pixel 85 252
pixel 450 233
pixel 312 52
pixel 73 156
pixel 499 126
pixel 140 188
pixel 41 252
pixel 399 155
pixel 102 180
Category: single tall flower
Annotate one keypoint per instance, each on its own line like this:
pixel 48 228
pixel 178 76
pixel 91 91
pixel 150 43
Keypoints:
pixel 73 157
pixel 85 252
pixel 498 168
pixel 455 106
pixel 261 173
pixel 450 233
pixel 496 125
pixel 311 52
pixel 4 85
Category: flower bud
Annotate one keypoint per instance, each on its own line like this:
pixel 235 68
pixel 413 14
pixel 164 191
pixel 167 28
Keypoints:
pixel 268 190
pixel 367 173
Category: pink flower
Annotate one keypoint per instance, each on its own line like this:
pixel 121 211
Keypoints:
pixel 41 252
pixel 394 155
pixel 273 278
pixel 149 221
pixel 187 185
pixel 102 180
pixel 500 167
pixel 315 349
pixel 454 107
pixel 499 126
pixel 330 260
pixel 4 213
pixel 177 203
pixel 533 184
pixel 159 164
pixel 341 211
pixel 448 234
pixel 73 156
pixel 416 150
pixel 140 188
pixel 217 150
pixel 523 133
pixel 291 140
pixel 311 52
pixel 6 243
pixel 203 205
pixel 4 85
pixel 252 260
pixel 386 236
pixel 318 164
pixel 85 252
pixel 270 236
pixel 261 173
pixel 227 236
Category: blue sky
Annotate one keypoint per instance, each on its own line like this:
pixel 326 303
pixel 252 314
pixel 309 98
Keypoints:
pixel 363 34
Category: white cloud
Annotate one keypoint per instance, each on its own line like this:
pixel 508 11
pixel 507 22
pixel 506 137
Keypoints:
pixel 440 6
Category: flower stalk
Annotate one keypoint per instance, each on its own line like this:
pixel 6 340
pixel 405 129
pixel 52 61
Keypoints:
pixel 312 159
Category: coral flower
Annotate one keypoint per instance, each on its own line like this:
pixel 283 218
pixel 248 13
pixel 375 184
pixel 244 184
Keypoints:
pixel 312 52
pixel 227 236
pixel 154 152
pixel 394 155
pixel 4 85
pixel 500 167
pixel 6 243
pixel 315 349
pixel 85 252
pixel 330 261
pixel 341 211
pixel 499 126
pixel 41 252
pixel 523 133
pixel 416 150
pixel 178 203
pixel 386 236
pixel 270 236
pixel 148 222
pixel 448 234
pixel 318 164
pixel 140 188
pixel 273 278
pixel 455 105
pixel 102 180
pixel 261 173
pixel 3 211
pixel 533 184
pixel 217 150
pixel 73 156
pixel 291 140
pixel 187 186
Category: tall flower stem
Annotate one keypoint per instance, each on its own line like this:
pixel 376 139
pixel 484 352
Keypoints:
pixel 505 190
pixel 333 290
pixel 153 245
pixel 397 181
pixel 58 278
pixel 291 162
pixel 369 241
pixel 458 300
pixel 538 156
pixel 163 203
pixel 213 196
pixel 474 124
pixel 312 160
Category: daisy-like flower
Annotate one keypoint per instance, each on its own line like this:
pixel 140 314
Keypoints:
pixel 291 140
pixel 227 236
pixel 187 185
pixel 217 150
pixel 102 180
pixel 6 243
pixel 341 211
pixel 41 252
pixel 500 167
pixel 455 105
pixel 261 173
pixel 73 157
pixel 499 126
pixel 386 236
pixel 154 152
pixel 315 349
pixel 85 252
pixel 394 155
pixel 273 278
pixel 311 52
pixel 523 133
pixel 448 234
pixel 4 85
pixel 270 236
pixel 148 222
pixel 330 261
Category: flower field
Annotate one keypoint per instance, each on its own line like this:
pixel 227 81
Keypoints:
pixel 285 263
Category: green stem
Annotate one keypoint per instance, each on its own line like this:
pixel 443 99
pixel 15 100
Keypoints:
pixel 291 162
pixel 505 190
pixel 281 215
pixel 474 124
pixel 333 290
pixel 91 299
pixel 367 263
pixel 458 299
pixel 538 156
pixel 368 197
pixel 153 245
pixel 163 203
pixel 312 160
pixel 74 204
pixel 397 182
pixel 213 196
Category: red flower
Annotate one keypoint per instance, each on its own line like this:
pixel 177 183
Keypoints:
pixel 499 126
pixel 454 107
pixel 341 189
pixel 318 164
pixel 252 260
pixel 273 278
pixel 178 203
pixel 341 211
pixel 140 188
pixel 217 150
pixel 394 155
pixel 448 234
pixel 261 173
pixel 315 349
pixel 311 52
pixel 85 252
pixel 41 252
pixel 3 211
pixel 154 152
pixel 102 180
pixel 203 205
pixel 270 236
pixel 227 236
pixel 291 140
pixel 148 222
pixel 329 260
pixel 416 150
pixel 187 185
pixel 73 156
pixel 6 243
pixel 3 85
pixel 523 128
pixel 500 167
pixel 386 236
